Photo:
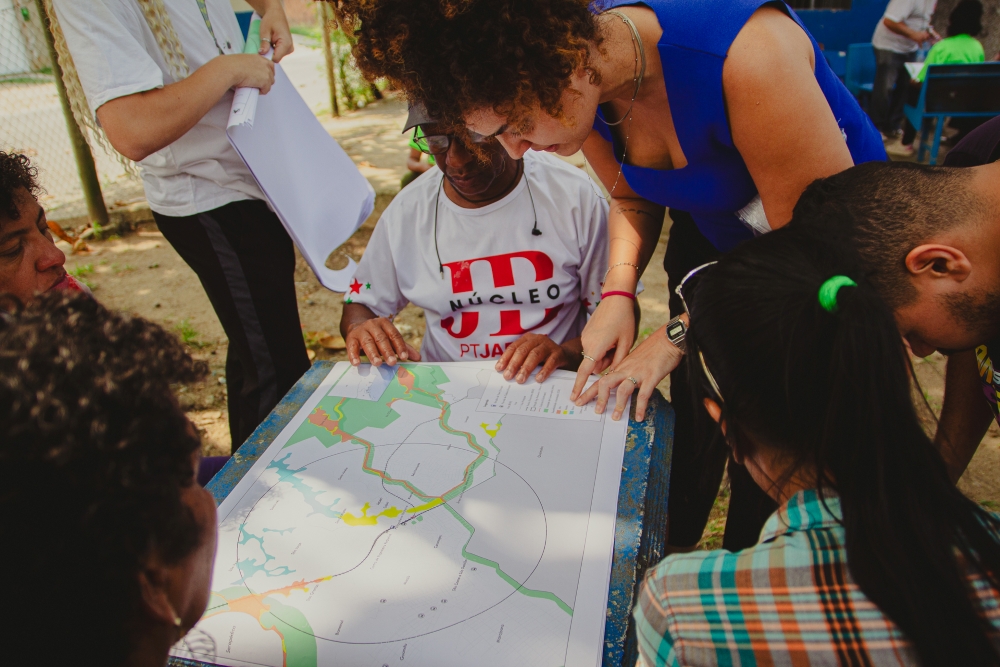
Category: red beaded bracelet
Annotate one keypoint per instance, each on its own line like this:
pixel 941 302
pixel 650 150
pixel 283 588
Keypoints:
pixel 618 293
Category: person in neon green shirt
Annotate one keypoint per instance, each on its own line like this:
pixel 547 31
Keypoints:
pixel 960 47
pixel 414 162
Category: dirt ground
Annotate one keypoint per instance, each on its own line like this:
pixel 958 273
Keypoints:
pixel 141 273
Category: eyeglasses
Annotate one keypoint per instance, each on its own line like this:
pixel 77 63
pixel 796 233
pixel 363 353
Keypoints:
pixel 435 144
pixel 701 357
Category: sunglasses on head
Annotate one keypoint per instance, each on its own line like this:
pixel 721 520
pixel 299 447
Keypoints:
pixel 701 357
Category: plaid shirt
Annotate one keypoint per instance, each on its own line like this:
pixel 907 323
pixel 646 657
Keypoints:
pixel 790 600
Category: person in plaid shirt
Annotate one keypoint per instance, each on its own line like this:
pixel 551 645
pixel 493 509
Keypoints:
pixel 874 557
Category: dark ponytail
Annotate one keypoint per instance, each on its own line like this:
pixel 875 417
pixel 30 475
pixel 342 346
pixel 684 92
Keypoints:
pixel 831 391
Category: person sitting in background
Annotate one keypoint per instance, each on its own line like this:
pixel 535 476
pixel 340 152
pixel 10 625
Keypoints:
pixel 873 557
pixel 505 256
pixel 110 540
pixel 960 47
pixel 30 262
pixel 414 160
pixel 929 238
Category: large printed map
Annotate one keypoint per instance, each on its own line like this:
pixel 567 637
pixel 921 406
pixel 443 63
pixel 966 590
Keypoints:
pixel 420 515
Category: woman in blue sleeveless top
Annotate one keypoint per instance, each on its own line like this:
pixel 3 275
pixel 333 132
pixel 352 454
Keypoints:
pixel 723 109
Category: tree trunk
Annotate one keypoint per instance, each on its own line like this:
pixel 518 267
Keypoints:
pixel 81 149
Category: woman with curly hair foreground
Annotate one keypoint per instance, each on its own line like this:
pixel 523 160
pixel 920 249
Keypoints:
pixel 109 542
pixel 722 110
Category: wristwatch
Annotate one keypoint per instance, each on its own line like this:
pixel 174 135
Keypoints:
pixel 677 332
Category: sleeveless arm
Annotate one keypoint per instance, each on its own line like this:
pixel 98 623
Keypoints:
pixel 781 122
pixel 634 226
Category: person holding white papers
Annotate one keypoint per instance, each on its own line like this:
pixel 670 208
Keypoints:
pixel 159 75
pixel 505 256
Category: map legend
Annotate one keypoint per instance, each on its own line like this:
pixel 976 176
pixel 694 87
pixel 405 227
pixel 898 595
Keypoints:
pixel 549 399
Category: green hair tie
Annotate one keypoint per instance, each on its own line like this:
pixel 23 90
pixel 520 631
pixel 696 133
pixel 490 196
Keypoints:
pixel 828 292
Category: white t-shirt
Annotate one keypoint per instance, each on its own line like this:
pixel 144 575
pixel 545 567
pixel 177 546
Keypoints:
pixel 916 14
pixel 499 280
pixel 116 55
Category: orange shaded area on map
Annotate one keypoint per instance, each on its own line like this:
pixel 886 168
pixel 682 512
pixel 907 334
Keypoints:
pixel 254 605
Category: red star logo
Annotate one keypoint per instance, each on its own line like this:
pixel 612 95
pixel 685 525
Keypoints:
pixel 586 303
pixel 355 287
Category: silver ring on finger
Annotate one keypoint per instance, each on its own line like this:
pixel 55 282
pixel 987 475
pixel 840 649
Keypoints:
pixel 633 380
pixel 587 356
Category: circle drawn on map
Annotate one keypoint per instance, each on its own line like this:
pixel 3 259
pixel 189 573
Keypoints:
pixel 406 556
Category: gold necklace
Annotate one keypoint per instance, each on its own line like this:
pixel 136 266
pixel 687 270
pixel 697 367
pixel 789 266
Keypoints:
pixel 638 73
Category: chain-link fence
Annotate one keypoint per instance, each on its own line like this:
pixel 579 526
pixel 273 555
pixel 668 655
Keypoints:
pixel 32 120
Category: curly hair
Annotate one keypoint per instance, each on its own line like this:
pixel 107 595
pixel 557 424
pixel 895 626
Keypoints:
pixel 16 173
pixel 94 454
pixel 457 56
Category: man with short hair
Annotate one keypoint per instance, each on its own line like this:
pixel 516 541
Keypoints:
pixel 30 262
pixel 505 256
pixel 929 239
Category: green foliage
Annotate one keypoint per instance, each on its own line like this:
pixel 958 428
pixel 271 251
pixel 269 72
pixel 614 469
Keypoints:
pixel 81 272
pixel 311 339
pixel 716 528
pixel 189 335
pixel 312 32
pixel 353 92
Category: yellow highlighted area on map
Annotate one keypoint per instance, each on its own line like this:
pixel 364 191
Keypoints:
pixel 490 430
pixel 389 513
pixel 425 506
pixel 365 520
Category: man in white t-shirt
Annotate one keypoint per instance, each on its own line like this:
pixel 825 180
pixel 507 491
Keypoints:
pixel 506 257
pixel 159 76
pixel 905 25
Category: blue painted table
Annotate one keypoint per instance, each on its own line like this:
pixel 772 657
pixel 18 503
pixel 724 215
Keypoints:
pixel 640 530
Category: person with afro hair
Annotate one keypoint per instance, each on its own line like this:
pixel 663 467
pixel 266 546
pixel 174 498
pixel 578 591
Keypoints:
pixel 722 111
pixel 108 539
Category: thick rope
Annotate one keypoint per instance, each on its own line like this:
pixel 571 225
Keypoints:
pixel 166 38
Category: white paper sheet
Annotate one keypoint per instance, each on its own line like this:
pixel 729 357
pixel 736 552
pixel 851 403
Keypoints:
pixel 421 532
pixel 310 182
pixel 549 400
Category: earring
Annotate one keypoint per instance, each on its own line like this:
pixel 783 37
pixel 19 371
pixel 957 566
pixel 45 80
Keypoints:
pixel 177 625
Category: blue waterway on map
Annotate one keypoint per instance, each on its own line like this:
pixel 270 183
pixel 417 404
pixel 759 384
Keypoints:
pixel 250 566
pixel 309 494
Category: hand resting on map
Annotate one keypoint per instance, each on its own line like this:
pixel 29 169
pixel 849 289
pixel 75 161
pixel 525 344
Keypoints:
pixel 378 339
pixel 375 337
pixel 529 351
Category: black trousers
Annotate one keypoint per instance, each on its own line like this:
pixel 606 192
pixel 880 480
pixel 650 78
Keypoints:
pixel 246 263
pixel 697 466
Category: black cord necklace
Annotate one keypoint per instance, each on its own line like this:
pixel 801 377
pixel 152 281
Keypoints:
pixel 535 231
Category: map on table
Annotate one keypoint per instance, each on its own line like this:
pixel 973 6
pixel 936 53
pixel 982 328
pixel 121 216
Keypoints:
pixel 404 518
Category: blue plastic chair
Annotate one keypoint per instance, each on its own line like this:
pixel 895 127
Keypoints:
pixel 859 71
pixel 954 91
pixel 838 62
pixel 244 20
